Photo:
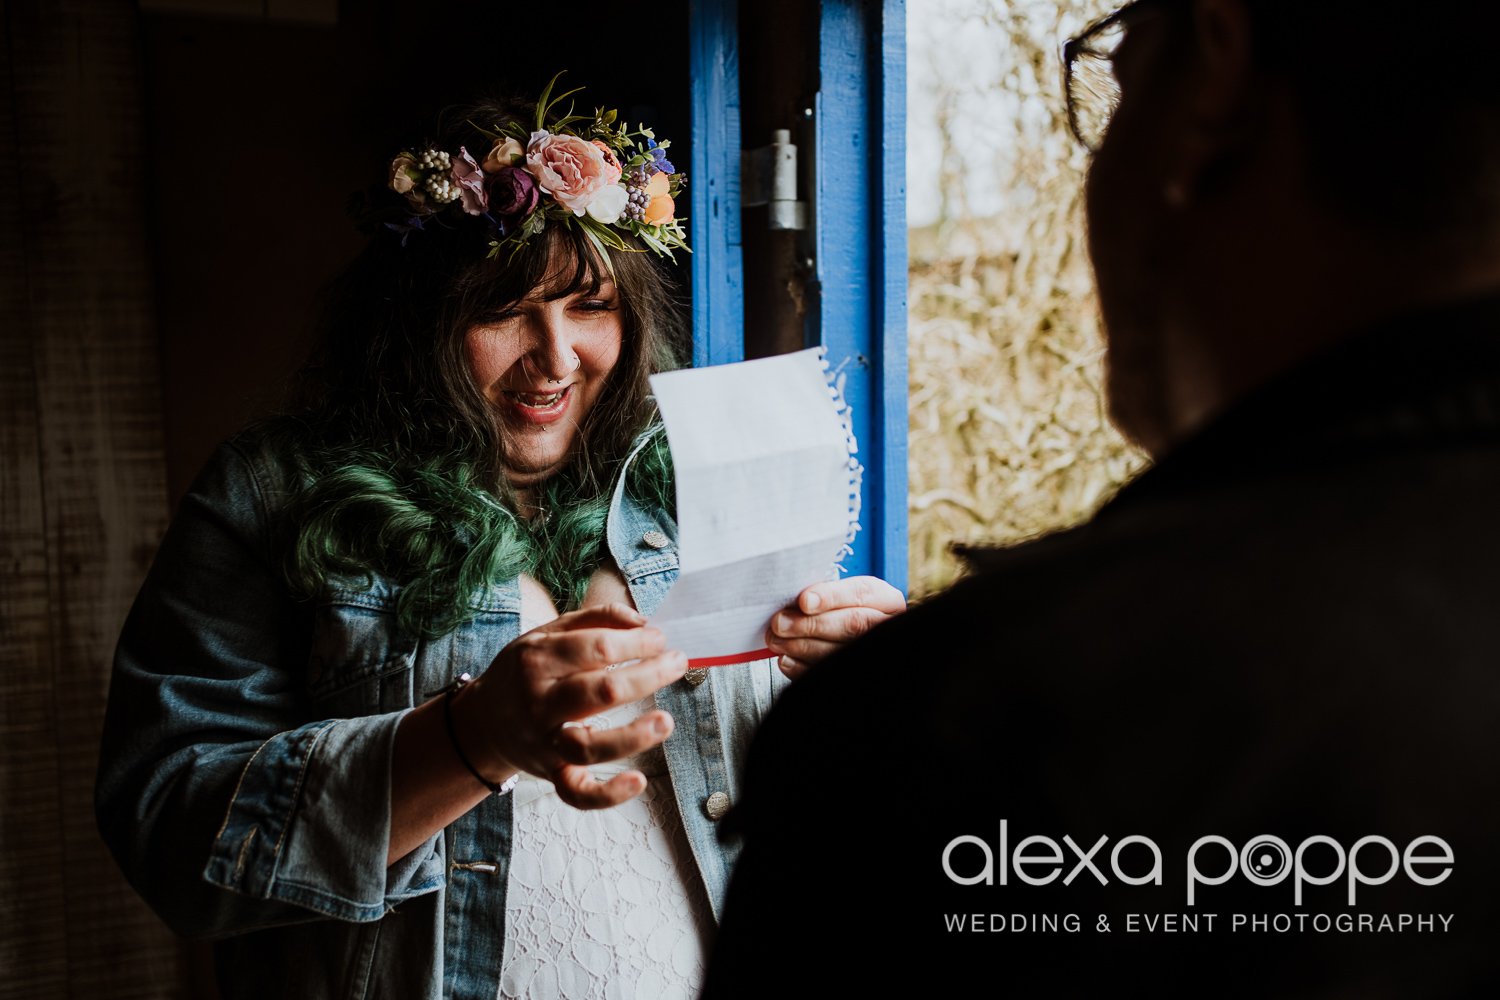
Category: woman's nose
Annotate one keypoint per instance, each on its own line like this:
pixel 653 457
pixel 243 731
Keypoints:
pixel 553 357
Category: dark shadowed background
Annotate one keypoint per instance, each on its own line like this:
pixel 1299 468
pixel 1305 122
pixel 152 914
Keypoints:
pixel 177 189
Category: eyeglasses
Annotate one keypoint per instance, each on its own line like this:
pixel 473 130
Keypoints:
pixel 1089 81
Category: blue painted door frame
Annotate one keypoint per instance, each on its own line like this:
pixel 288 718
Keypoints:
pixel 859 210
pixel 714 183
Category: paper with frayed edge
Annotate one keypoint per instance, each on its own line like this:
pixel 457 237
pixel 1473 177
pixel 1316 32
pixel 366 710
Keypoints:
pixel 768 496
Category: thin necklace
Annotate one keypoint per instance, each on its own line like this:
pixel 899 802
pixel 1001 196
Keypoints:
pixel 539 514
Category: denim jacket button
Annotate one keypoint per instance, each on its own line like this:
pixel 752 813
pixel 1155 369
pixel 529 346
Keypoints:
pixel 716 805
pixel 696 676
pixel 656 539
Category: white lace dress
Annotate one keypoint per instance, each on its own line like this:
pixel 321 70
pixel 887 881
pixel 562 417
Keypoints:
pixel 607 902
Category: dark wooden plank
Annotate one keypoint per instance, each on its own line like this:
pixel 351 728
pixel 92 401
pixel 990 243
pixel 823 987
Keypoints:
pixel 33 943
pixel 93 467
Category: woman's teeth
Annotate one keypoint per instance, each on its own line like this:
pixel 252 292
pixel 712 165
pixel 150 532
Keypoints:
pixel 537 399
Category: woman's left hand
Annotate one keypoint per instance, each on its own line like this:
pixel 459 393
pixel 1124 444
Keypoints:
pixel 828 615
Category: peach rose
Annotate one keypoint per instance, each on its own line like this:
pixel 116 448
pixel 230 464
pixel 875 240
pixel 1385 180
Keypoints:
pixel 570 169
pixel 658 184
pixel 402 168
pixel 504 154
pixel 611 161
pixel 659 209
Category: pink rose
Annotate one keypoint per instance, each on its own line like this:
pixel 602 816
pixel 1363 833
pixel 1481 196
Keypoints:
pixel 611 161
pixel 570 169
pixel 469 180
pixel 504 154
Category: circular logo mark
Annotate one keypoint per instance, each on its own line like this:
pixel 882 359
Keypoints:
pixel 1265 859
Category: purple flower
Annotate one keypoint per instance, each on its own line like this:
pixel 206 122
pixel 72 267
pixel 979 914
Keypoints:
pixel 659 162
pixel 469 180
pixel 512 192
pixel 411 224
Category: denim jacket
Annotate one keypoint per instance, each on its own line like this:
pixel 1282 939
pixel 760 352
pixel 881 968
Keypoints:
pixel 245 771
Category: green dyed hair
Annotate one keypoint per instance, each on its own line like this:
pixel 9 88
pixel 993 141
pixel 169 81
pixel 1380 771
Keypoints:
pixel 398 453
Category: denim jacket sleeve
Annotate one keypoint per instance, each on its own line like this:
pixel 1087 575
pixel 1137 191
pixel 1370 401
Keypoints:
pixel 229 803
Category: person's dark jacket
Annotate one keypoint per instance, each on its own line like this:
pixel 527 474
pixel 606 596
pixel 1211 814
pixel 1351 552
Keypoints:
pixel 1290 627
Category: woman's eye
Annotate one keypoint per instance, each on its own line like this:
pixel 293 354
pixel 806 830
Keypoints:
pixel 596 305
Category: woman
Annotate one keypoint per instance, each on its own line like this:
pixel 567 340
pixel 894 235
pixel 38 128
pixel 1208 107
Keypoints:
pixel 293 762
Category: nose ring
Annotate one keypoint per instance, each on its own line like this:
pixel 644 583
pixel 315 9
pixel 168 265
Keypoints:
pixel 577 364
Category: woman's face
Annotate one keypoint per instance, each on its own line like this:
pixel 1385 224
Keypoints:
pixel 542 365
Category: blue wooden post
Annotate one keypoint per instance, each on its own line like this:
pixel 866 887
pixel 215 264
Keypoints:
pixel 860 217
pixel 714 183
pixel 861 258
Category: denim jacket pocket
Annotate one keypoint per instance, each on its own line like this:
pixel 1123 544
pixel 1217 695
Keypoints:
pixel 649 579
pixel 359 662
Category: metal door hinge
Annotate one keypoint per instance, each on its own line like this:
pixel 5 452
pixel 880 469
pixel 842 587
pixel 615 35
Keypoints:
pixel 768 176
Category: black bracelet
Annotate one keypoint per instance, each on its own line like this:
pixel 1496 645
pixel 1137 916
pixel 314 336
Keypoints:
pixel 499 788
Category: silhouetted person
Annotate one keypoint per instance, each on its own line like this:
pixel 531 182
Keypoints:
pixel 1288 628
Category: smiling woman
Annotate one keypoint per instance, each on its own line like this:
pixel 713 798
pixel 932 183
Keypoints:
pixel 543 363
pixel 355 705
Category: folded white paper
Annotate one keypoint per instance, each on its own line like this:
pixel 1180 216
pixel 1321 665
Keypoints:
pixel 767 497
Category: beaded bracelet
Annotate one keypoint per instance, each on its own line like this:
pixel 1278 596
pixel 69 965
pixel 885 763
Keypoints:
pixel 499 788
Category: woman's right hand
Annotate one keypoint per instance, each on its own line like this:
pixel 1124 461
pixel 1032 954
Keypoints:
pixel 513 716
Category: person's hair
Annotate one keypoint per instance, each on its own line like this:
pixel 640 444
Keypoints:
pixel 397 451
pixel 1400 116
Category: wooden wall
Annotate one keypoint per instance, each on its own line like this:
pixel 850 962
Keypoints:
pixel 83 502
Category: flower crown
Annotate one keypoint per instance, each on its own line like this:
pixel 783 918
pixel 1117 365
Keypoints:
pixel 578 170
